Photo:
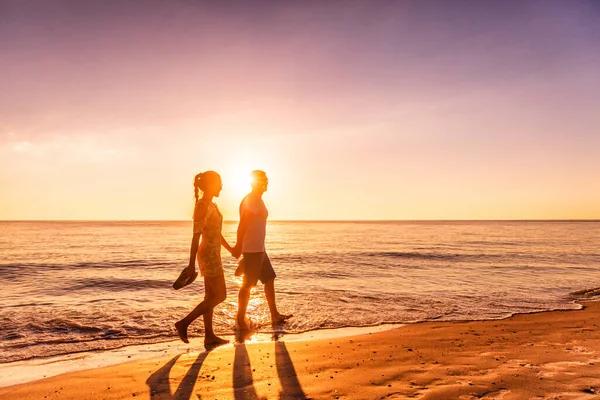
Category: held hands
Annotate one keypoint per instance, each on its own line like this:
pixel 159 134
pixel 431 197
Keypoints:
pixel 236 251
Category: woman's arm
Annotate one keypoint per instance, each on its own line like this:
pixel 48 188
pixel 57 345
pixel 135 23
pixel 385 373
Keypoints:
pixel 200 216
pixel 194 250
pixel 226 245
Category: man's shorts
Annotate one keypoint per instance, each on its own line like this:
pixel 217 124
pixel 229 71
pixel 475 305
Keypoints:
pixel 257 266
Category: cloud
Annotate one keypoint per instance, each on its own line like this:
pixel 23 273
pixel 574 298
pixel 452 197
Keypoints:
pixel 21 146
pixel 66 151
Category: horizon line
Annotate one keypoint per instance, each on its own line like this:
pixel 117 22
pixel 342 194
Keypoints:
pixel 318 220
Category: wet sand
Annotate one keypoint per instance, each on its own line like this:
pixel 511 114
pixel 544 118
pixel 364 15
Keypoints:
pixel 544 355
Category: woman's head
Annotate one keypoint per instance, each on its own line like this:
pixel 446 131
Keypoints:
pixel 208 182
pixel 259 180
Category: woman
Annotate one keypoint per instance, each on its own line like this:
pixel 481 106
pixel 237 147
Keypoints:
pixel 208 222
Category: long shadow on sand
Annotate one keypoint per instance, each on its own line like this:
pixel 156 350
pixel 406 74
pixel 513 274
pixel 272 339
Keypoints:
pixel 160 388
pixel 290 386
pixel 243 385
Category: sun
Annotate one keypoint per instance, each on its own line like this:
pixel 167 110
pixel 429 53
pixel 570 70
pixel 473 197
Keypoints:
pixel 237 181
pixel 236 168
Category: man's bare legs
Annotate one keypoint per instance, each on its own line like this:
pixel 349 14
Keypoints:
pixel 243 299
pixel 276 317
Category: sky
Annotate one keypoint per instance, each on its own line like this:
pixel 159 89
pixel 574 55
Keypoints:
pixel 355 109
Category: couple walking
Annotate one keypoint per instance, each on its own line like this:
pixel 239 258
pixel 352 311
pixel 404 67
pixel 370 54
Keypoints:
pixel 250 243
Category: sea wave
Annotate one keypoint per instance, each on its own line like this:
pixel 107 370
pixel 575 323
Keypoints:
pixel 418 255
pixel 119 284
pixel 16 268
pixel 589 293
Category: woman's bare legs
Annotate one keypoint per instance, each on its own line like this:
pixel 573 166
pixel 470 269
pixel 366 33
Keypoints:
pixel 210 339
pixel 215 294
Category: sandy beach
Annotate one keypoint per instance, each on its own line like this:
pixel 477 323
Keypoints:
pixel 549 355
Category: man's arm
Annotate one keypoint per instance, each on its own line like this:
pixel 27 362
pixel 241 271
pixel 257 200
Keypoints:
pixel 241 231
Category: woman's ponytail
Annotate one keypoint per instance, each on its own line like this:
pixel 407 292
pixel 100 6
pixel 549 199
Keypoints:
pixel 197 180
pixel 203 180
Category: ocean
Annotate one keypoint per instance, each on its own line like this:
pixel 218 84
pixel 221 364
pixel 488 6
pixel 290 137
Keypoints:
pixel 78 286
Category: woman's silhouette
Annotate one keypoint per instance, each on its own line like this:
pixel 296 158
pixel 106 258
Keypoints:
pixel 208 223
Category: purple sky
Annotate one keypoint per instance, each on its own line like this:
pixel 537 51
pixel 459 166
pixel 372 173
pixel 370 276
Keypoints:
pixel 372 109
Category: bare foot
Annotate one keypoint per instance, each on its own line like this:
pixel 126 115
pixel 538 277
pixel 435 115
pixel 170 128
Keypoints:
pixel 244 325
pixel 243 336
pixel 280 318
pixel 182 331
pixel 211 342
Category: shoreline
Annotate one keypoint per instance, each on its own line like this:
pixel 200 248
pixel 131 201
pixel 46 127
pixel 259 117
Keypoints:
pixel 550 347
pixel 36 368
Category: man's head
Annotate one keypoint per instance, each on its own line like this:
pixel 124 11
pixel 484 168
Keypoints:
pixel 259 181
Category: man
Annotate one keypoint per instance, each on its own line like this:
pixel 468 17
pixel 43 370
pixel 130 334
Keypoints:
pixel 251 243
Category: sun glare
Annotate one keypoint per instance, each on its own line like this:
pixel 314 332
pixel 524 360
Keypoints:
pixel 237 181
